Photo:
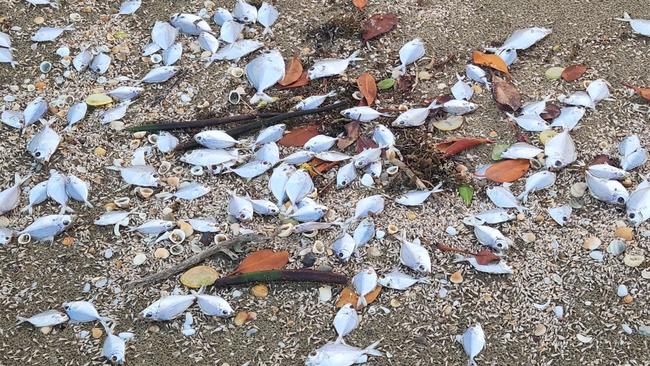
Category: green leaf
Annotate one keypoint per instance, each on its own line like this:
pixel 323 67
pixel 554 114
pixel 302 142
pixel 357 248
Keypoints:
pixel 497 150
pixel 386 84
pixel 466 193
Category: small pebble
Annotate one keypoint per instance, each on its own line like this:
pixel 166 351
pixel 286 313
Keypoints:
pixel 86 288
pixel 521 217
pixel 633 260
pixel 528 237
pixel 539 330
pixel 309 260
pixel 411 215
pixel 443 292
pixel 260 290
pixel 324 293
pixel 456 277
pixel 596 255
pixel 108 253
pixel 161 253
pixel 591 243
pixel 380 234
pixel 374 251
pixel 46 330
pixel 394 303
pixel 139 259
pixel 644 330
pixel 628 299
pixel 622 291
pixel 96 332
pixel 451 231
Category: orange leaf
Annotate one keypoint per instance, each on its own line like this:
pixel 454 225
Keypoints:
pixel 643 92
pixel 506 95
pixel 302 81
pixel 318 166
pixel 456 145
pixel 360 4
pixel 292 72
pixel 349 296
pixel 573 72
pixel 486 256
pixel 377 25
pixel 490 60
pixel 368 87
pixel 298 136
pixel 262 260
pixel 351 135
pixel 507 171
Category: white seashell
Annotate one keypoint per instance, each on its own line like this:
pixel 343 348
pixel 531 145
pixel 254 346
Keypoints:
pixel 392 170
pixel 177 236
pixel 220 238
pixel 197 171
pixel 122 202
pixel 176 249
pixel 139 259
pixel 325 293
pixel 24 239
pixel 164 167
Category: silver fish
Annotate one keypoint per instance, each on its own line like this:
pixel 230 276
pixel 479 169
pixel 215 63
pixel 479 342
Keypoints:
pixel 568 118
pixel 48 318
pixel 500 267
pixel 191 191
pixel 114 218
pixel 154 227
pixel 634 159
pixel 299 157
pixel 263 72
pixel 372 205
pixel 49 34
pixel 492 238
pixel 640 26
pixel 166 142
pixel 494 216
pixel 399 280
pixel 47 227
pixel 6 235
pixel 116 113
pixel 129 7
pixel 508 55
pixel 363 114
pixel 7 57
pixel 56 190
pixel 150 48
pixel 160 74
pixel 333 156
pixel 598 90
pixel 473 341
pixel 308 210
pixel 343 247
pixel 208 42
pixel 270 134
pixel 126 92
pixel 521 150
pixel 13 119
pixel 560 151
pixel 477 74
pixel 410 53
pixel 235 51
pixel 298 186
pixel 536 107
pixel 579 98
pixel 267 15
pixel 538 181
pixel 10 197
pixel 189 23
pixel 455 107
pixel 240 208
pixel 167 307
pixel 383 136
pixel 416 198
pixel 413 255
pixel 213 305
pixel 269 152
pixel 637 207
pixel 340 354
pixel 114 348
pixel 77 189
pixel 606 171
pixel 412 118
pixel 215 139
pixel 264 207
pixel 221 16
pixel 163 34
pixel 320 143
pixel 100 63
pixel 560 214
pixel 231 31
pixel 278 181
pixel 462 90
pixel 252 169
pixel 313 101
pixel 172 54
pixel 530 122
pixel 34 111
pixel 502 197
pixel 82 60
pixel 629 144
pixel 209 157
pixel 75 114
pixel 610 191
pixel 139 175
pixel 244 12
pixel 364 282
pixel 346 175
pixel 5 40
pixel 331 66
pixel 204 225
pixel 345 321
pixel 364 232
pixel 522 39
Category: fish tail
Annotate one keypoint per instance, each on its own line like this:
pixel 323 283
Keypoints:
pixel 267 30
pixel 361 302
pixel 471 362
pixel 434 105
pixel 523 197
pixel 353 56
pixel 424 280
pixel 69 27
pixel 626 17
pixel 331 94
pixel 260 97
pixel 88 204
pixel 437 188
pixel 371 350
pixel 21 319
pixel 340 340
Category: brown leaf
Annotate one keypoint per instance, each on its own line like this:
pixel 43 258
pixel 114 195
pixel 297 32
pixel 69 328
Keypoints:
pixel 506 95
pixel 349 296
pixel 573 72
pixel 377 25
pixel 351 135
pixel 551 111
pixel 302 81
pixel 404 83
pixel 643 92
pixel 262 260
pixel 485 257
pixel 368 87
pixel 446 248
pixel 490 60
pixel 292 72
pixel 298 136
pixel 360 4
pixel 507 171
pixel 455 145
pixel 602 159
pixel 364 143
pixel 317 166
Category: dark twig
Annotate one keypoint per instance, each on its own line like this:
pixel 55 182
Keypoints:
pixel 199 123
pixel 283 275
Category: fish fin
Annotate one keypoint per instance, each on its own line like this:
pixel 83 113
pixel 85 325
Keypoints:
pixel 331 94
pixel 371 350
pixel 339 340
pixel 626 17
pixel 50 239
pixel 459 339
pixel 437 188
pixel 260 97
pixel 361 302
pixel 459 258
pixel 88 204
pixel 353 56
pixel 107 323
pixel 523 197
pixel 27 208
pixel 21 319
pixel 424 280
pixel 434 105
pixel 471 362
pixel 166 196
pixel 69 27
pixel 116 230
pixel 267 30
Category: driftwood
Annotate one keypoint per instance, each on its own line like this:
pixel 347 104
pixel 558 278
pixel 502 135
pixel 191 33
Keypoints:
pixel 200 123
pixel 195 259
pixel 284 275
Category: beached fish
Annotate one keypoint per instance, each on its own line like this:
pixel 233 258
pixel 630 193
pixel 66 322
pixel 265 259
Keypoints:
pixel 383 136
pixel 267 15
pixel 167 307
pixel 113 348
pixel 166 142
pixel 416 198
pixel 331 66
pixel 150 48
pixel 477 74
pixel 522 39
pixel 56 190
pixel 7 57
pixel 538 181
pixel 364 232
pixel 503 197
pixel 215 139
pixel 83 312
pixel 240 208
pixel 160 74
pixel 100 63
pixel 332 156
pixel 568 118
pixel 189 23
pixel 75 114
pixel 163 34
pixel 299 157
pixel 221 16
pixel 340 354
pixel 308 210
pixel 606 171
pixel 560 151
pixel 410 53
pixel 269 152
pixel 213 305
pixel 6 235
pixel 634 160
pixel 535 107
pixel 129 7
pixel 154 227
pixel 343 247
pixel 610 191
pixel 204 225
pixel 82 60
pixel 366 157
pixel 278 181
pixel 5 40
pixel 37 195
pixel 363 114
pixel 320 143
pixel 115 219
pixel 264 207
pixel 364 282
pixel 492 238
pixel 462 90
pixel 598 90
pixel 263 72
pixel 346 175
pixel 640 26
pixel 208 42
pixel 251 169
pixel 473 341
pixel 313 101
pixel 34 111
pixel 231 31
pixel 530 122
pixel 139 175
pixel 560 214
pixel 579 98
pixel 298 186
pixel 49 34
pixel 235 51
pixel 116 113
pixel 48 318
pixel 12 119
pixel 126 92
pixel 494 216
pixel 413 255
pixel 521 150
pixel 637 207
pixel 172 54
pixel 508 55
pixel 191 191
pixel 10 197
pixel 500 267
pixel 345 321
pixel 209 157
pixel 413 117
pixel 244 12
pixel 77 189
pixel 455 107
pixel 399 280
pixel 270 134
pixel 47 227
pixel 372 205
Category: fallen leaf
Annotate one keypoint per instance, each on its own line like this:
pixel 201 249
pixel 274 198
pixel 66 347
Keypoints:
pixel 360 4
pixel 302 81
pixel 457 145
pixel 386 84
pixel 449 124
pixel 485 257
pixel 349 296
pixel 404 83
pixel 466 192
pixel 602 159
pixel 643 92
pixel 551 111
pixel 490 60
pixel 199 276
pixel 364 143
pixel 506 95
pixel 507 171
pixel 317 166
pixel 377 25
pixel 368 87
pixel 298 136
pixel 262 260
pixel 573 72
pixel 292 72
pixel 351 135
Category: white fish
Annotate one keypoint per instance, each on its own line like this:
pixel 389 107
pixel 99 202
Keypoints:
pixel 530 122
pixel 410 53
pixel 634 159
pixel 400 281
pixel 521 150
pixel 167 307
pixel 568 118
pixel 267 16
pixel 83 312
pixel 163 34
pixel 154 227
pixel 7 57
pixel 560 151
pixel 508 55
pixel 235 51
pixel 640 26
pixel 314 226
pixel 49 34
pixel 10 197
pixel 372 205
pixel 313 102
pixel 269 152
pixel 500 267
pixel 462 90
pixel 173 53
pixel 610 191
pixel 637 207
pixel 502 197
pixel 139 175
pixel 6 235
pixel 455 107
pixel 364 282
pixel 343 247
pixel 114 348
pixel 494 216
pixel 47 227
pixel 299 157
pixel 412 118
pixel 538 181
pixel 473 341
pixel 560 214
pixel 264 207
pixel 160 74
pixel 346 175
pixel 333 156
pixel 364 232
pixel 308 210
pixel 204 225
pixel 477 74
pixel 298 186
pixel 331 66
pixel 383 136
pixel 240 208
pixel 5 40
pixel 100 63
pixel 339 354
pixel 56 189
pixel 150 48
pixel 209 157
pixel 345 321
pixel 522 39
pixel 416 198
pixel 629 144
pixel 13 119
pixel 213 305
pixel 579 98
pixel 231 31
pixel 278 181
pixel 77 189
pixel 82 60
pixel 263 72
pixel 76 113
pixel 34 111
pixel 48 318
pixel 215 139
pixel 221 16
pixel 363 114
pixel 208 42
pixel 244 12
pixel 598 90
pixel 320 143
pixel 606 171
pixel 191 191
pixel 492 238
pixel 129 7
pixel 166 142
pixel 251 169
pixel 270 134
pixel 116 113
pixel 536 107
pixel 413 255
pixel 115 218
pixel 366 157
pixel 190 23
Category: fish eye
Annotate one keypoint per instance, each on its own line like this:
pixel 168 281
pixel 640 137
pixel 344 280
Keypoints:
pixel 499 245
pixel 66 307
pixel 632 215
pixel 344 182
pixel 558 163
pixel 199 137
pixel 66 222
pixel 340 255
pixel 155 176
pixel 313 354
pixel 621 200
pixel 564 218
pixel 148 315
pixel 224 312
pixel 37 154
pixel 242 216
pixel 114 358
pixel 421 267
pixel 311 69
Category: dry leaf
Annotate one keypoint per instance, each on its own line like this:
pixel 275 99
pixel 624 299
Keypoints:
pixel 292 72
pixel 199 276
pixel 507 171
pixel 349 296
pixel 368 87
pixel 298 136
pixel 455 146
pixel 486 256
pixel 551 111
pixel 506 95
pixel 351 135
pixel 490 60
pixel 446 248
pixel 364 143
pixel 360 4
pixel 377 25
pixel 262 260
pixel 643 92
pixel 302 81
pixel 602 159
pixel 573 72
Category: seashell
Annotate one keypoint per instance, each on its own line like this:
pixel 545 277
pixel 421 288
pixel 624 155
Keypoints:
pixel 173 181
pixel 135 143
pixel 139 135
pixel 122 202
pixel 537 163
pixel 234 97
pixel 197 171
pixel 176 249
pixel 616 247
pixel 311 234
pixel 45 67
pixel 97 100
pixel 646 273
pixel 576 203
pixel 392 170
pixel 622 291
pixel 357 95
pixel 324 293
pixel 318 247
pixel 578 189
pixel 156 58
pixel 144 192
pixel 633 260
pixel 186 227
pixel 539 330
pixel 456 277
pixel 139 259
pixel 153 139
pixel 24 239
pixel 285 230
pixel 220 238
pixel 392 229
pixel 164 167
pixel 161 253
pixel 177 170
pixel 63 51
pixel 260 290
pixel 597 255
pixel 237 72
pixel 177 236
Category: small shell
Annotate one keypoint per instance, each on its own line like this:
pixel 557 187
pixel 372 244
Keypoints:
pixel 318 247
pixel 156 58
pixel 285 230
pixel 186 227
pixel 177 236
pixel 220 238
pixel 578 189
pixel 234 97
pixel 237 72
pixel 176 249
pixel 537 163
pixel 122 202
pixel 392 229
pixel 197 171
pixel 357 95
pixel 164 167
pixel 24 239
pixel 45 67
pixel 310 234
pixel 153 139
pixel 135 143
pixel 139 135
pixel 392 170
pixel 177 170
pixel 144 192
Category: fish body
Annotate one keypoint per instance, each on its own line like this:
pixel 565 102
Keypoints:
pixel 10 197
pixel 372 205
pixel 477 74
pixel 416 198
pixel 209 157
pixel 172 54
pixel 160 74
pixel 252 169
pixel 116 113
pixel 240 208
pixel 204 225
pixel 269 153
pixel 366 157
pixel 462 90
pixel 309 211
pixel 345 321
pixel 634 159
pixel 163 34
pixel 167 307
pixel 412 118
pixel 299 157
pixel 34 111
pixel 311 226
pixel 560 214
pixel 7 57
pixel 399 280
pixel 49 34
pixel 413 255
pixel 522 39
pixel 208 42
pixel 5 40
pixel 410 53
pixel 6 235
pixel 332 156
pixel 82 312
pixel 263 72
pixel 491 237
pixel 530 122
pixel 494 216
pixel 215 139
pixel 598 90
pixel 270 134
pixel 12 119
pixel 473 341
pixel 191 191
pixel 139 175
pixel 331 66
pixel 606 171
pixel 313 101
pixel 568 118
pixel 521 150
pixel 76 113
pixel 189 24
pixel 100 63
pixel 346 175
pixel 213 305
pixel 114 349
pixel 77 189
pixel 154 227
pixel 82 60
pixel 129 7
pixel 56 189
pixel 244 12
pixel 364 282
pixel 320 143
pixel 536 182
pixel 264 207
pixel 267 15
pixel 340 354
pixel 278 181
pixel 560 151
pixel 364 232
pixel 221 16
pixel 48 318
pixel 236 50
pixel 343 247
pixel 383 136
pixel 610 191
pixel 579 98
pixel 637 207
pixel 231 31
pixel 166 142
pixel 150 48
pixel 298 186
pixel 363 114
pixel 503 197
pixel 640 26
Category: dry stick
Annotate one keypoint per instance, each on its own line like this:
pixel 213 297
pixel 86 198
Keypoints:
pixel 285 275
pixel 408 172
pixel 200 123
pixel 196 259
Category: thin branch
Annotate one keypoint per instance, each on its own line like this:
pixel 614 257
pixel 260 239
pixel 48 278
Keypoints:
pixel 200 123
pixel 283 275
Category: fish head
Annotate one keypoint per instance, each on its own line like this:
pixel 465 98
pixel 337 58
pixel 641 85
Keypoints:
pixel 618 196
pixel 343 253
pixel 385 281
pixel 316 358
pixel 424 266
pixel 41 153
pixel 245 215
pixel 399 123
pixel 65 221
pixel 502 244
pixel 635 216
pixel 6 236
pixel 149 313
pixel 116 356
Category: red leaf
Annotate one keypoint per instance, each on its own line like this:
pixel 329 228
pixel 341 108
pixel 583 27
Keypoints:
pixel 507 171
pixel 298 136
pixel 351 135
pixel 262 260
pixel 292 72
pixel 551 111
pixel 573 72
pixel 457 145
pixel 506 95
pixel 364 143
pixel 360 4
pixel 643 92
pixel 486 256
pixel 368 87
pixel 602 159
pixel 377 25
pixel 490 60
pixel 302 81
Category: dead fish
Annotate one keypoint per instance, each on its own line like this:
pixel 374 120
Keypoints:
pixel 413 255
pixel 236 50
pixel 77 189
pixel 634 159
pixel 416 198
pixel 160 74
pixel 598 90
pixel 208 42
pixel 346 175
pixel 363 114
pixel 399 280
pixel 34 111
pixel 75 114
pixel 610 191
pixel 5 40
pixel 307 210
pixel 606 171
pixel 536 107
pixel 47 227
pixel 10 197
pixel 508 55
pixel 150 48
pixel 7 57
pixel 640 26
pixel 503 197
pixel 538 181
pixel 114 218
pixel 221 16
pixel 154 227
pixel 298 186
pixel 492 238
pixel 264 207
pixel 340 354
pixel 191 191
pixel 522 39
pixel 343 247
pixel 12 119
pixel 410 53
pixel 637 207
pixel 139 175
pixel 269 152
pixel 366 157
pixel 364 283
pixel 49 34
pixel 266 16
pixel 215 139
pixel 455 107
pixel 126 92
pixel 568 118
pixel 166 142
pixel 372 205
pixel 629 144
pixel 477 74
pixel 313 101
pixel 383 136
pixel 48 318
pixel 82 60
pixel 231 31
pixel 414 117
pixel 331 66
pixel 364 232
pixel 116 113
pixel 6 235
pixel 494 216
pixel 189 23
pixel 37 195
pixel 100 63
pixel 271 134
pixel 213 305
pixel 530 122
pixel 462 90
pixel 263 72
pixel 204 225
pixel 172 54
pixel 210 157
pixel 114 347
pixel 500 267
pixel 332 156
pixel 244 12
pixel 129 7
pixel 240 208
pixel 473 341
pixel 560 214
pixel 44 143
pixel 579 98
pixel 167 307
pixel 251 169
pixel 163 34
pixel 278 181
pixel 521 150
pixel 345 321
pixel 560 151
pixel 299 157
